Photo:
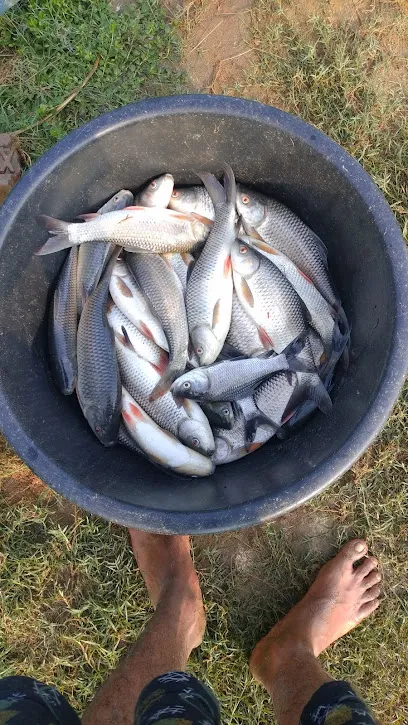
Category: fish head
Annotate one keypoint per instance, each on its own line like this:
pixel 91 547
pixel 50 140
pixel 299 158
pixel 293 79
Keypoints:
pixel 184 199
pixel 250 206
pixel 244 260
pixel 193 384
pixel 123 199
pixel 158 192
pixel 105 427
pixel 225 412
pixel 197 434
pixel 205 344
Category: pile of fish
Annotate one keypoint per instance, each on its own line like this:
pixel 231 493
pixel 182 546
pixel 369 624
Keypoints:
pixel 194 323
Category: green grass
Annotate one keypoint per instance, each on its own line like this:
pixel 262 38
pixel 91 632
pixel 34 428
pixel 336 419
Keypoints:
pixel 71 597
pixel 49 47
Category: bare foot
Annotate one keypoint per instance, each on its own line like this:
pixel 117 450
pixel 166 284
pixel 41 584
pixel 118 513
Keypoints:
pixel 168 571
pixel 339 599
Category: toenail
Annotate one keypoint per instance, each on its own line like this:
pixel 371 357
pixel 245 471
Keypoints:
pixel 360 548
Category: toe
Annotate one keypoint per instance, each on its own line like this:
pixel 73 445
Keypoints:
pixel 372 593
pixel 367 609
pixel 374 577
pixel 367 566
pixel 353 550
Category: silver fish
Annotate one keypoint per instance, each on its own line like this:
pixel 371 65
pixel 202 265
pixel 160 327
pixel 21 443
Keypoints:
pixel 62 327
pixel 220 414
pixel 163 289
pixel 98 388
pixel 321 313
pixel 130 299
pixel 159 445
pixel 137 229
pixel 209 288
pixel 276 224
pixel 92 257
pixel 228 380
pixel 187 422
pixel 157 193
pixel 144 346
pixel 267 297
pixel 230 445
pixel 182 265
pixel 273 396
pixel 126 440
pixel 192 198
pixel 243 335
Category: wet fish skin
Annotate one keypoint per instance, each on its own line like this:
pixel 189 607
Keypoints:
pixel 230 445
pixel 144 346
pixel 160 446
pixel 136 229
pixel 243 335
pixel 220 414
pixel 229 379
pixel 267 297
pixel 62 327
pixel 182 265
pixel 128 296
pixel 99 387
pixel 322 315
pixel 187 422
pixel 92 257
pixel 163 289
pixel 278 225
pixel 209 288
pixel 192 198
pixel 157 192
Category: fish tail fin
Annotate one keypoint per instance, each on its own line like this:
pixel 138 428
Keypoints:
pixel 59 238
pixel 165 382
pixel 213 186
pixel 316 392
pixel 230 186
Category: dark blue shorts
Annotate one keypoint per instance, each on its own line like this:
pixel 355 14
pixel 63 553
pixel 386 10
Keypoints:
pixel 175 698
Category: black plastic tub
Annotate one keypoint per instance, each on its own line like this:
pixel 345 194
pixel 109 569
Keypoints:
pixel 283 156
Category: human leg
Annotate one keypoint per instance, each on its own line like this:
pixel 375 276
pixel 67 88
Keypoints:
pixel 175 629
pixel 285 661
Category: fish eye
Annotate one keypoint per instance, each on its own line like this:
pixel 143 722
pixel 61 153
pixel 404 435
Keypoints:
pixel 243 249
pixel 98 429
pixel 195 442
pixel 245 199
pixel 186 385
pixel 153 184
pixel 199 350
pixel 175 194
pixel 225 412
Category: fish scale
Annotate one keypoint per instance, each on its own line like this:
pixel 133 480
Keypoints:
pixel 243 333
pixel 267 297
pixel 98 388
pixel 284 230
pixel 192 198
pixel 62 326
pixel 139 378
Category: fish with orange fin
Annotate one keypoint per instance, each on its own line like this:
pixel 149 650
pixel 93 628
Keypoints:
pixel 130 299
pixel 135 228
pixel 163 289
pixel 186 421
pixel 160 446
pixel 209 288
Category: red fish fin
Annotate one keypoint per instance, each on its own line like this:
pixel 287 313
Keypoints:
pixel 163 362
pixel 137 412
pixel 305 276
pixel 266 341
pixel 227 266
pixel 202 219
pixel 145 330
pixel 126 416
pixel 259 243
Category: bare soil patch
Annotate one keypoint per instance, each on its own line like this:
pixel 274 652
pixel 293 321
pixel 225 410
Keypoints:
pixel 216 48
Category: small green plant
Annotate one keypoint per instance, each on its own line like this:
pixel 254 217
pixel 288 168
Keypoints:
pixel 49 47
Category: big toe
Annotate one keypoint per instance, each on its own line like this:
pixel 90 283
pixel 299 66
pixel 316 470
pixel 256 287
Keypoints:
pixel 353 551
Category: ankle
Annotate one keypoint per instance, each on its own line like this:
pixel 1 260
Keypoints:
pixel 275 652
